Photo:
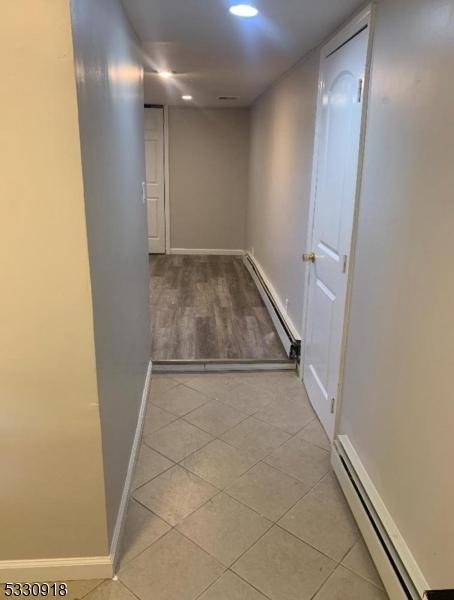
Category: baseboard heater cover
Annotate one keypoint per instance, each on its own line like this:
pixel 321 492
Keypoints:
pixel 399 571
pixel 291 344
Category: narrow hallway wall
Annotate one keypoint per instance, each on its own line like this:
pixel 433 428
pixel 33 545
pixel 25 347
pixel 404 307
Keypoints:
pixel 110 93
pixel 282 138
pixel 52 501
pixel 398 401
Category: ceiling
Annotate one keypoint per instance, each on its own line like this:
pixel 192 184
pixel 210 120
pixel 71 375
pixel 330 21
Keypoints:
pixel 214 53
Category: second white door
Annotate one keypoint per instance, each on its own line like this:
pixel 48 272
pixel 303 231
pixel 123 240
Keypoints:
pixel 339 130
pixel 154 170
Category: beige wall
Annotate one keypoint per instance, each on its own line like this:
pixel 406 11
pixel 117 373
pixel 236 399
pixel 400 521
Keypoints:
pixel 282 137
pixel 209 153
pixel 110 92
pixel 398 401
pixel 52 494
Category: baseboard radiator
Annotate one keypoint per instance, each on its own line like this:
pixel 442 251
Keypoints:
pixel 289 340
pixel 396 565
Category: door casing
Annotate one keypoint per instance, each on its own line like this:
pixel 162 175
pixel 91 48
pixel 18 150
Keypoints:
pixel 166 173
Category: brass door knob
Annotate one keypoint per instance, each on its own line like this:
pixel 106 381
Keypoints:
pixel 309 257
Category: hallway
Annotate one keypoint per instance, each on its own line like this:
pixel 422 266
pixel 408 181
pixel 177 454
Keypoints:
pixel 234 499
pixel 208 307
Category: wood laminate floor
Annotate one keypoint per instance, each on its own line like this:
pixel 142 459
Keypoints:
pixel 208 307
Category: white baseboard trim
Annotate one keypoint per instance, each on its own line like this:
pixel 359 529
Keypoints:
pixel 56 569
pixel 395 563
pixel 119 525
pixel 207 251
pixel 252 265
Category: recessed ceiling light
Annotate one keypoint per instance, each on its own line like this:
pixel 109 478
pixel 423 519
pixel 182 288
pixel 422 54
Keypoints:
pixel 244 10
pixel 186 97
pixel 165 74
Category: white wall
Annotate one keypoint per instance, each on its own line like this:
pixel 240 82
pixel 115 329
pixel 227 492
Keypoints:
pixel 52 502
pixel 282 137
pixel 398 399
pixel 110 93
pixel 208 159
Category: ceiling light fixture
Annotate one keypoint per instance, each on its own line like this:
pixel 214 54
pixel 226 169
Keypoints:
pixel 165 74
pixel 243 10
pixel 186 97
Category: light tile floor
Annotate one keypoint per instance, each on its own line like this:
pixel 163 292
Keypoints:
pixel 234 499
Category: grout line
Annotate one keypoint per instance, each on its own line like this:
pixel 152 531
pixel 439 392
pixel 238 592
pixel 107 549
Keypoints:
pixel 129 589
pixel 149 545
pixel 217 437
pixel 162 518
pixel 149 480
pixel 250 584
pixel 211 584
pixel 90 591
pixel 333 560
pixel 214 557
pixel 361 576
pixel 322 585
pixel 157 451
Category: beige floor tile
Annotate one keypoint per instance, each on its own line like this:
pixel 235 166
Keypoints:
pixel 218 463
pixel 315 434
pixel 231 587
pixel 211 385
pixel 161 384
pixel 345 585
pixel 224 527
pixel 359 561
pixel 247 398
pixel 323 519
pixel 215 417
pixel 179 400
pixel 283 567
pixel 149 465
pixel 301 460
pixel 288 414
pixel 175 494
pixel 109 590
pixel 177 440
pixel 156 418
pixel 268 491
pixel 173 568
pixel 255 438
pixel 280 383
pixel 142 528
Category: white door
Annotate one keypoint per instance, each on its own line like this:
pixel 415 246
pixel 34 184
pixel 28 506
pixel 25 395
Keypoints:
pixel 154 173
pixel 336 169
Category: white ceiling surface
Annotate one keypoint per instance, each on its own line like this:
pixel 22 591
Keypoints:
pixel 216 54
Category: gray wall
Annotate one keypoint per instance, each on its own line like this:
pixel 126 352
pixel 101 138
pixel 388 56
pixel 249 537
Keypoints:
pixel 398 400
pixel 109 80
pixel 282 137
pixel 209 154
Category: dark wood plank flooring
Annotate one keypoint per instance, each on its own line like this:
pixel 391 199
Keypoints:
pixel 207 307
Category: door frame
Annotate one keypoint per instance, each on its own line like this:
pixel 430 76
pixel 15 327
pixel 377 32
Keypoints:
pixel 166 178
pixel 365 18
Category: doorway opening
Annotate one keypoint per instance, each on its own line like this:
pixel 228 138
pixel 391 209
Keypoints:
pixel 207 310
